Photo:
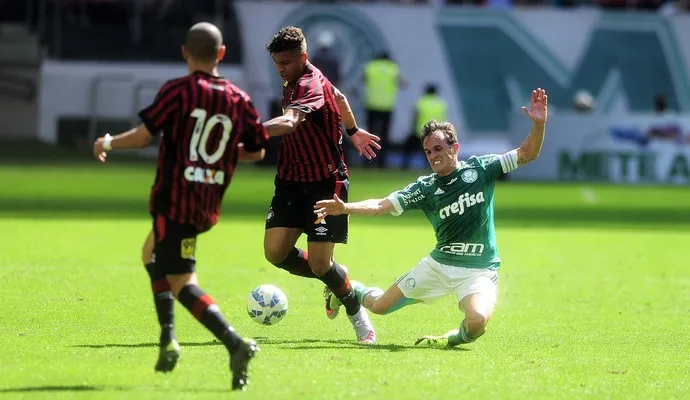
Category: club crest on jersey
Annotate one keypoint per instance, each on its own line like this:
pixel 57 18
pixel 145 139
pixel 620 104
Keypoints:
pixel 459 207
pixel 469 175
pixel 410 283
pixel 187 248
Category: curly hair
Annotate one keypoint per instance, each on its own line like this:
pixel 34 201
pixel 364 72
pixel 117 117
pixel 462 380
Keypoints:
pixel 289 38
pixel 446 128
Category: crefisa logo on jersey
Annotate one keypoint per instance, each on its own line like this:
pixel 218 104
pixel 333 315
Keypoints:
pixel 464 202
pixel 353 37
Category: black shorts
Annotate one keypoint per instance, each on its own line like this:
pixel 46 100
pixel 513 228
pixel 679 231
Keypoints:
pixel 293 207
pixel 175 244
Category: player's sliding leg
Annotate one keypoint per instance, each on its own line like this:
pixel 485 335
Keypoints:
pixel 478 309
pixel 169 349
pixel 204 309
pixel 280 250
pixel 337 281
pixel 380 302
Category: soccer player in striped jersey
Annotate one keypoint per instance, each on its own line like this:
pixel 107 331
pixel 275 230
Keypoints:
pixel 207 125
pixel 311 167
pixel 458 201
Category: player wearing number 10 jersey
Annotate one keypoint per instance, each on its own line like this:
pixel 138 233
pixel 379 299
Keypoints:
pixel 207 125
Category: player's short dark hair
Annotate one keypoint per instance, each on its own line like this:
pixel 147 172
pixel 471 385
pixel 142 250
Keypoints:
pixel 289 38
pixel 203 42
pixel 446 128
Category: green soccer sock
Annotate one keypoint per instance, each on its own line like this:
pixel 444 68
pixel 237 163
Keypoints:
pixel 461 337
pixel 362 291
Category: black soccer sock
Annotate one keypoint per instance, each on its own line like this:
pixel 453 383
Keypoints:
pixel 207 312
pixel 339 283
pixel 164 302
pixel 297 263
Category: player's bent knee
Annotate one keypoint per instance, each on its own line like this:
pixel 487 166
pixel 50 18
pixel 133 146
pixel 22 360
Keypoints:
pixel 275 255
pixel 476 322
pixel 179 281
pixel 272 257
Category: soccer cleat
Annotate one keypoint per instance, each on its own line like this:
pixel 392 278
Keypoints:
pixel 239 361
pixel 332 303
pixel 439 342
pixel 363 327
pixel 167 358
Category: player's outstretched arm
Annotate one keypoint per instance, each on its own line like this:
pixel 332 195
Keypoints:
pixel 284 124
pixel 537 112
pixel 364 142
pixel 244 155
pixel 336 206
pixel 132 139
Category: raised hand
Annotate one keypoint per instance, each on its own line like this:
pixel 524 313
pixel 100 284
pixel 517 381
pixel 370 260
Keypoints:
pixel 365 143
pixel 538 106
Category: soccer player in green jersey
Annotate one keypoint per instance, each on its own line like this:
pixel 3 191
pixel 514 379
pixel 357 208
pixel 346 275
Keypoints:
pixel 458 200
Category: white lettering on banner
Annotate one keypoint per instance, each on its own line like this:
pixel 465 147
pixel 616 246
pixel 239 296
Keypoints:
pixel 204 175
pixel 645 148
pixel 463 249
pixel 464 202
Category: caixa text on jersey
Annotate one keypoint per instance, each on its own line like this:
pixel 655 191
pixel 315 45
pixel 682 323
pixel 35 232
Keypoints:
pixel 204 175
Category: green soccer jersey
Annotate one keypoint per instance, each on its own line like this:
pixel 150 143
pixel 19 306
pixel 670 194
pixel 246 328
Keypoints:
pixel 460 207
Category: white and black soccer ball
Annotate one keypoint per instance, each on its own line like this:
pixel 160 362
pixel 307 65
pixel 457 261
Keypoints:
pixel 267 304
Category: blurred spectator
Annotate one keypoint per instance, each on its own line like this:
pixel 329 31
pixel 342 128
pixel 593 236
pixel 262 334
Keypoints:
pixel 660 104
pixel 325 59
pixel 429 106
pixel 671 8
pixel 382 79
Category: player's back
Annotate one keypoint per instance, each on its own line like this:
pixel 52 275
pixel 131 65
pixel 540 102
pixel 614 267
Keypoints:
pixel 203 118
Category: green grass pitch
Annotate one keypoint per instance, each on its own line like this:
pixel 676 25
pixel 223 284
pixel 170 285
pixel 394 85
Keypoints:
pixel 594 296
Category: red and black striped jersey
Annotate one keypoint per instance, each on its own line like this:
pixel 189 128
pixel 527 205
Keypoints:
pixel 202 119
pixel 312 152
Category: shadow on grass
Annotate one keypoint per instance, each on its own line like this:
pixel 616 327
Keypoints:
pixel 63 388
pixel 632 218
pixel 294 344
pixel 144 345
pixel 99 388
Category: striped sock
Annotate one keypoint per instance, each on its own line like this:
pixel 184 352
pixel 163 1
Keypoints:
pixel 208 313
pixel 164 302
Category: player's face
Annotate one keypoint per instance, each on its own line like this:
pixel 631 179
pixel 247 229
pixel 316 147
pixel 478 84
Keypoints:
pixel 289 64
pixel 442 157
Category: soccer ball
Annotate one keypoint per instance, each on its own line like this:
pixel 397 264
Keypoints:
pixel 267 305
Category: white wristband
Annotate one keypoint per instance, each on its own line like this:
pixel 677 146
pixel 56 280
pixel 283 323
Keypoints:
pixel 107 140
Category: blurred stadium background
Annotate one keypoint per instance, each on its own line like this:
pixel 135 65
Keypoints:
pixel 616 71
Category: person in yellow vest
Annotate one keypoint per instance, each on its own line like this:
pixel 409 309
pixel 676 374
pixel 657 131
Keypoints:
pixel 430 106
pixel 382 79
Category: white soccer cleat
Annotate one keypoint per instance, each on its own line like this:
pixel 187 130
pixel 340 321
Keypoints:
pixel 363 327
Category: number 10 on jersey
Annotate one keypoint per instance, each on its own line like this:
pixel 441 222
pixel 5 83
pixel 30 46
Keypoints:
pixel 198 145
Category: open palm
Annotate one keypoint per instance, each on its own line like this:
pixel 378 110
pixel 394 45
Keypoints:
pixel 538 106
